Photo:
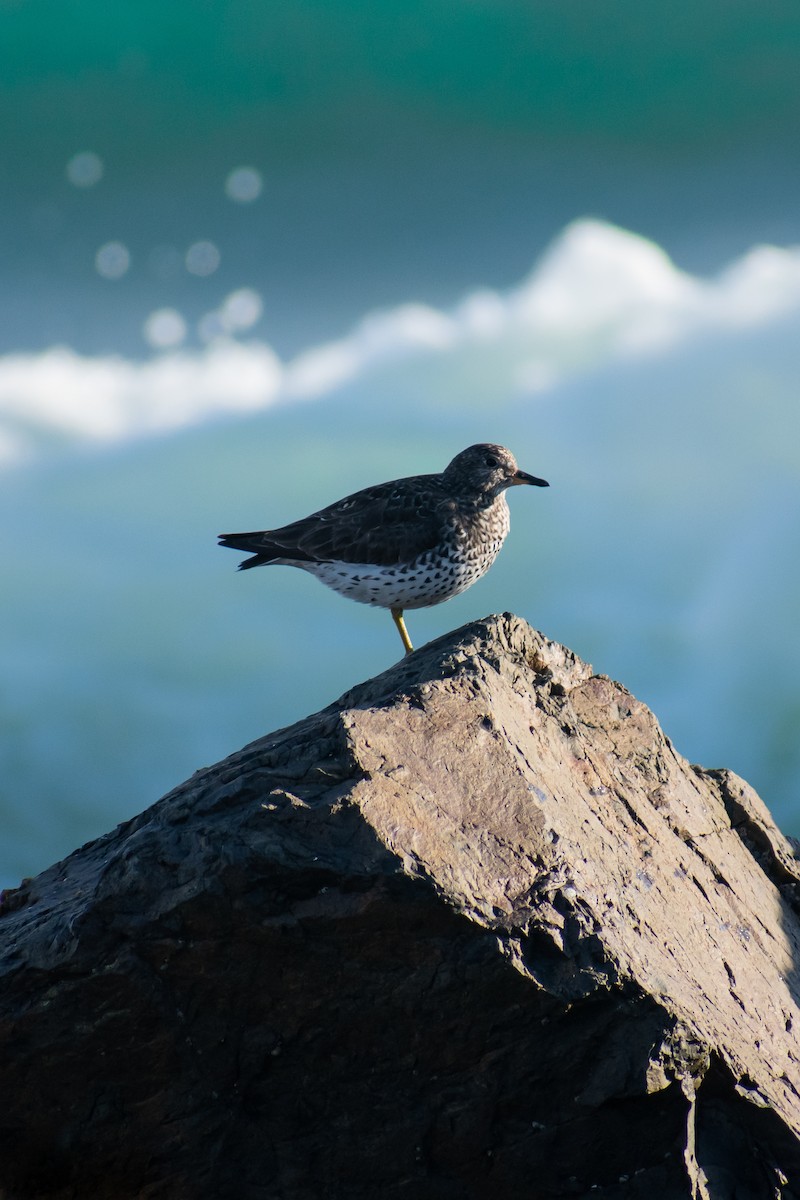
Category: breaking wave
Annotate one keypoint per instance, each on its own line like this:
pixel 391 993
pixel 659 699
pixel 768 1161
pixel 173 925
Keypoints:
pixel 597 295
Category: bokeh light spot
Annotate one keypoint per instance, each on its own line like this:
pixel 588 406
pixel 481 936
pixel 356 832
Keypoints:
pixel 244 185
pixel 84 170
pixel 241 309
pixel 164 328
pixel 112 260
pixel 202 258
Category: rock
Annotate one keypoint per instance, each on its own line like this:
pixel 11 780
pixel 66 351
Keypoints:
pixel 476 930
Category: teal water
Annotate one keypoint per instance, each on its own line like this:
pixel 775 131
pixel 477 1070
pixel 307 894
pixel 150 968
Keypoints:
pixel 424 154
pixel 407 150
pixel 204 74
pixel 665 552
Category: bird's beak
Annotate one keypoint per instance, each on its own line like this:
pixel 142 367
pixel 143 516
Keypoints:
pixel 524 477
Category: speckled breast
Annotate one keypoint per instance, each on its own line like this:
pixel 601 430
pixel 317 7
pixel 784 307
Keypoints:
pixel 431 578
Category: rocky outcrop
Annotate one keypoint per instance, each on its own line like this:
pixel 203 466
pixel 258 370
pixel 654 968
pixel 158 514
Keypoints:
pixel 476 930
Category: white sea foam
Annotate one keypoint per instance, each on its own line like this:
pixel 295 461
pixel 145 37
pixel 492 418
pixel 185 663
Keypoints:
pixel 599 293
pixel 60 396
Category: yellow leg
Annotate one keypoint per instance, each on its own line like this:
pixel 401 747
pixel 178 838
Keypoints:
pixel 397 617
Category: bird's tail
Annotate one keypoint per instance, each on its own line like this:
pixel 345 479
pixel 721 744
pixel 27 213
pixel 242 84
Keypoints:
pixel 250 542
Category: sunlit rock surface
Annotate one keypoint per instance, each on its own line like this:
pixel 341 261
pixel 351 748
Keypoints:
pixel 476 929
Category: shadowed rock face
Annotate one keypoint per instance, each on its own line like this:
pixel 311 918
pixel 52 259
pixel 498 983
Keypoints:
pixel 474 930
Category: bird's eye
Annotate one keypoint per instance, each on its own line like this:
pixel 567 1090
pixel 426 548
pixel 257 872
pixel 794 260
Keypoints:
pixel 491 460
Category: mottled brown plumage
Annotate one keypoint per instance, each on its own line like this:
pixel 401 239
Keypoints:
pixel 409 543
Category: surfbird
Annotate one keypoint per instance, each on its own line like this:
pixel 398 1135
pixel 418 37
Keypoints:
pixel 409 543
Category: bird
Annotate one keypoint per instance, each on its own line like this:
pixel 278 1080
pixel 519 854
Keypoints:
pixel 409 543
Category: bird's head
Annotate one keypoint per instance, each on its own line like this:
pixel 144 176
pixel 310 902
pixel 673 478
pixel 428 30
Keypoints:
pixel 486 470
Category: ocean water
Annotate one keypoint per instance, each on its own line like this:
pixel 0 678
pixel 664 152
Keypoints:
pixel 405 151
pixel 253 261
pixel 661 407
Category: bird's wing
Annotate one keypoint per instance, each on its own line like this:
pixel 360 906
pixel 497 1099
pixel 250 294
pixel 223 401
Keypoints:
pixel 385 524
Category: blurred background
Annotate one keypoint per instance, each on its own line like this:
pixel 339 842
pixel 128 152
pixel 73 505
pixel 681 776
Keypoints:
pixel 257 256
